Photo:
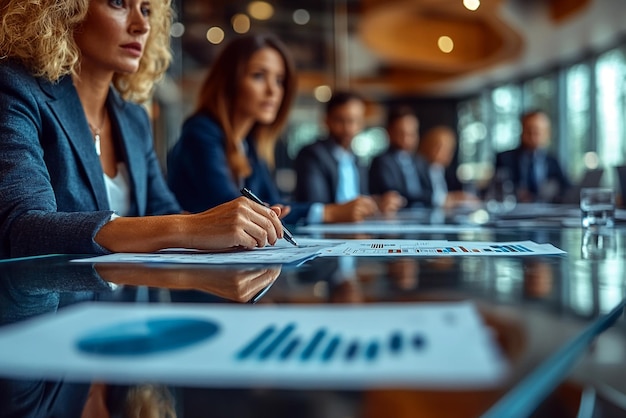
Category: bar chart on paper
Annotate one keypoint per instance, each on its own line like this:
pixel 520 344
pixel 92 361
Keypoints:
pixel 481 249
pixel 427 344
pixel 285 344
pixel 382 247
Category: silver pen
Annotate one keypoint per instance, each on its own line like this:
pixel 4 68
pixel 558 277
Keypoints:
pixel 286 234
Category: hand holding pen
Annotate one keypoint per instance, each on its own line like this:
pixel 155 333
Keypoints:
pixel 287 235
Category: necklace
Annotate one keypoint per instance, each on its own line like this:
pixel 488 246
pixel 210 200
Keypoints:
pixel 96 136
pixel 96 132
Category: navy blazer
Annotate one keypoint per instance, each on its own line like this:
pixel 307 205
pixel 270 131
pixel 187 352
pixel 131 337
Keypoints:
pixel 385 174
pixel 52 193
pixel 511 161
pixel 199 175
pixel 317 172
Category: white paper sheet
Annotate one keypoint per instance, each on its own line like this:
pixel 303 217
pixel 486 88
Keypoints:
pixel 421 344
pixel 414 248
pixel 284 253
pixel 281 253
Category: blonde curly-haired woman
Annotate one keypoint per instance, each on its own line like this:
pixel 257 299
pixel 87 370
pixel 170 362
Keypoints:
pixel 78 172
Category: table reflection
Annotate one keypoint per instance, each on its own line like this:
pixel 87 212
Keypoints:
pixel 598 245
pixel 532 305
pixel 29 289
pixel 237 284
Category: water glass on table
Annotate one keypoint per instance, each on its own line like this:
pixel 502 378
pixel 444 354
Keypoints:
pixel 597 206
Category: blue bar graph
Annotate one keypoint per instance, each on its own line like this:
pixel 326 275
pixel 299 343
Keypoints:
pixel 371 352
pixel 289 349
pixel 256 342
pixel 271 347
pixel 352 350
pixel 419 342
pixel 282 343
pixel 331 348
pixel 309 350
pixel 395 342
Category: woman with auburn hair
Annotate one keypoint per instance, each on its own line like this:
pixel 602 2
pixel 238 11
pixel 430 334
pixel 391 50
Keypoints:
pixel 228 142
pixel 78 172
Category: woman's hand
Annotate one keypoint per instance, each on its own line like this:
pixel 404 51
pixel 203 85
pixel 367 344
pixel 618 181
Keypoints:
pixel 238 223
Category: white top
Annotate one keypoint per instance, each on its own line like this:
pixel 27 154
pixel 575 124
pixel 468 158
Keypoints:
pixel 118 190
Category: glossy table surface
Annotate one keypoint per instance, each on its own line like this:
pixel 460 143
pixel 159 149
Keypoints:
pixel 534 306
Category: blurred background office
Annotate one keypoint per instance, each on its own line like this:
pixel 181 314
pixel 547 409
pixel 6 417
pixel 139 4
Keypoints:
pixel 472 65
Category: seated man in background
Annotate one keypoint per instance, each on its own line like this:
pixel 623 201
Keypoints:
pixel 327 170
pixel 399 168
pixel 535 173
pixel 437 146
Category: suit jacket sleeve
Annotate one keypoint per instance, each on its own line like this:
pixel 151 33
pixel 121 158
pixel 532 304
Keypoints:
pixel 314 182
pixel 381 176
pixel 198 171
pixel 508 164
pixel 555 171
pixel 32 220
pixel 499 160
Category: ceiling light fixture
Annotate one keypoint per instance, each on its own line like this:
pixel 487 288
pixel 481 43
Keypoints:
pixel 471 4
pixel 241 23
pixel 445 44
pixel 322 93
pixel 215 35
pixel 301 17
pixel 260 10
pixel 177 30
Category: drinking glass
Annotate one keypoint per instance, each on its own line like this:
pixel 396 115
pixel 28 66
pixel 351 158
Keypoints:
pixel 597 207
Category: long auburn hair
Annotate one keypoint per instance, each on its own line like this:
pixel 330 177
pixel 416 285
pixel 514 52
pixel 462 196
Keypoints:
pixel 220 91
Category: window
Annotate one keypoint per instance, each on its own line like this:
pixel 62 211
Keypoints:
pixel 587 106
pixel 610 96
pixel 507 107
pixel 475 153
pixel 577 124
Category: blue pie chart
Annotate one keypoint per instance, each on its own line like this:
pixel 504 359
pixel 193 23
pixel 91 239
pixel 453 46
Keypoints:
pixel 148 336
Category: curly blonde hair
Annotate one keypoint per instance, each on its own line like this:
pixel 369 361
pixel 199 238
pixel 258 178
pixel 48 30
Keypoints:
pixel 40 34
pixel 149 401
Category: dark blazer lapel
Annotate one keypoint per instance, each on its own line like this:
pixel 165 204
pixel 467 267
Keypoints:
pixel 401 178
pixel 68 109
pixel 332 166
pixel 129 139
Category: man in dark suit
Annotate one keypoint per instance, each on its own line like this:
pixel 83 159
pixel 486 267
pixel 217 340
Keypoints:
pixel 437 147
pixel 399 168
pixel 328 171
pixel 535 173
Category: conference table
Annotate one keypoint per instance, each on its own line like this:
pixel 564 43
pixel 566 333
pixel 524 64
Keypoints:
pixel 553 319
